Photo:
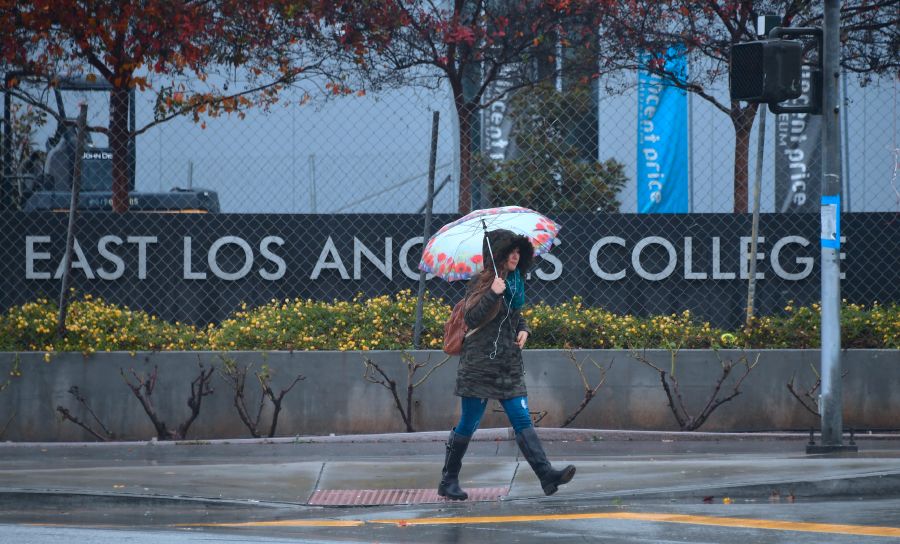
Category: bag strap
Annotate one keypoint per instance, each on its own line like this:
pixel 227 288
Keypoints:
pixel 470 332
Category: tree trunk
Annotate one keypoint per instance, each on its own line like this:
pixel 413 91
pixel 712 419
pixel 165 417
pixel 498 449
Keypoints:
pixel 118 144
pixel 743 123
pixel 464 113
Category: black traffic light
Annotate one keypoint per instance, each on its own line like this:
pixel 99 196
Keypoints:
pixel 766 70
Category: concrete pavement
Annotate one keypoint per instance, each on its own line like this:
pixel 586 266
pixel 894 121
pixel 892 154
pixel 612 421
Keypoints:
pixel 330 471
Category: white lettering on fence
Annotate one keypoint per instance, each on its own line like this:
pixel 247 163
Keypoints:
pixel 610 258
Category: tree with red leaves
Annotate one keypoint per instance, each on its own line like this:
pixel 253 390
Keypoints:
pixel 147 44
pixel 708 28
pixel 471 45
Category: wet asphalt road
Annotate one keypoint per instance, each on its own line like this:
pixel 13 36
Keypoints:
pixel 627 490
pixel 529 522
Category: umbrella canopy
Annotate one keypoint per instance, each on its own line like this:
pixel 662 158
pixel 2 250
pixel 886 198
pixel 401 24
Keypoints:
pixel 454 252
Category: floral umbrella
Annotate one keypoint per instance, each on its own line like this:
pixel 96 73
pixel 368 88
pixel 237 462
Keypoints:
pixel 454 252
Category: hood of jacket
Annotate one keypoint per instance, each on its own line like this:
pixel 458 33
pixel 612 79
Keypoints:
pixel 502 243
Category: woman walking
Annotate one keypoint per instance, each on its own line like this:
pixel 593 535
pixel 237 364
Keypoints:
pixel 490 365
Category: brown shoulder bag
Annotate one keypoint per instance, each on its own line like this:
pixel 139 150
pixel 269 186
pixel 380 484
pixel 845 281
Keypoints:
pixel 456 330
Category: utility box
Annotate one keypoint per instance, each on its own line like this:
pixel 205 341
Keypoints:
pixel 766 70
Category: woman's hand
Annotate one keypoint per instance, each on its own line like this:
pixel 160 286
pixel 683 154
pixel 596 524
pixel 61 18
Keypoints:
pixel 521 338
pixel 498 286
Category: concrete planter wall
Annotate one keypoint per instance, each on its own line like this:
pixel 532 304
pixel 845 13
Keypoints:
pixel 335 398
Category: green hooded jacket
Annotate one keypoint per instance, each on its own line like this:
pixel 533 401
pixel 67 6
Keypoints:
pixel 486 369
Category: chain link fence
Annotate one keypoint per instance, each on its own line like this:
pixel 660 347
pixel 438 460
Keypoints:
pixel 326 200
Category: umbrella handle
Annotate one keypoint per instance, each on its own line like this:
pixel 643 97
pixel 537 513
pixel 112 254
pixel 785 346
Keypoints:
pixel 490 250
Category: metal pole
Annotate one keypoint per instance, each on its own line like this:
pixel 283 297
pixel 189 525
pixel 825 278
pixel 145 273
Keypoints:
pixel 754 230
pixel 437 191
pixel 846 142
pixel 312 183
pixel 6 181
pixel 417 332
pixel 70 234
pixel 132 144
pixel 830 400
pixel 690 152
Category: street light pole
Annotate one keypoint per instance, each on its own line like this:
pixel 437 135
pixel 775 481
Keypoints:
pixel 831 400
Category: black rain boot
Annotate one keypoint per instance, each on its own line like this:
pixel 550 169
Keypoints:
pixel 531 447
pixel 449 486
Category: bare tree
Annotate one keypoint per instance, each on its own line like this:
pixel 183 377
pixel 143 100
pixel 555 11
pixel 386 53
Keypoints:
pixel 8 421
pixel 14 372
pixel 686 420
pixel 375 374
pixel 589 391
pixel 236 376
pixel 807 397
pixel 143 386
pixel 12 416
pixel 103 434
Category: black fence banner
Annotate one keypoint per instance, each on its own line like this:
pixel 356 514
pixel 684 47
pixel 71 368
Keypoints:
pixel 199 268
pixel 798 155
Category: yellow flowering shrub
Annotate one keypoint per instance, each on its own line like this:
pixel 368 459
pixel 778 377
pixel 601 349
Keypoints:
pixel 93 325
pixel 572 325
pixel 877 326
pixel 379 323
pixel 386 323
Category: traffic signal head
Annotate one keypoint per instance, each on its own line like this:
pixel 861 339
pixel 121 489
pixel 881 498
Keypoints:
pixel 766 70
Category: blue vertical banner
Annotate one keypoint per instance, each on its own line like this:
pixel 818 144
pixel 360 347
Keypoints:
pixel 662 139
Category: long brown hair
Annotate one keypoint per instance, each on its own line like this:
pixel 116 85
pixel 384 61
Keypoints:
pixel 481 283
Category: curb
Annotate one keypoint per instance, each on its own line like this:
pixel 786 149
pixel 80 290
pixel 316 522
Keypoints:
pixel 502 433
pixel 47 498
pixel 878 485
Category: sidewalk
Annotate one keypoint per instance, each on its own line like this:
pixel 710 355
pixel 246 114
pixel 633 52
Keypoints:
pixel 405 469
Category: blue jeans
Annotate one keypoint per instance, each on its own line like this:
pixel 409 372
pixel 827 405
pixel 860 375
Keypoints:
pixel 516 410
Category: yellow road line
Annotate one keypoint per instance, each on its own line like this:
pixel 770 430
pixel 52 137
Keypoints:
pixel 744 523
pixel 778 525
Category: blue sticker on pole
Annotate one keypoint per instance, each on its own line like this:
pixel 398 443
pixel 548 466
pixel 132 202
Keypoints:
pixel 831 221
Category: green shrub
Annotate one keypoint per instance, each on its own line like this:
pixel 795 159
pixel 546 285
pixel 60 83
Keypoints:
pixel 798 327
pixel 93 325
pixel 386 323
pixel 379 323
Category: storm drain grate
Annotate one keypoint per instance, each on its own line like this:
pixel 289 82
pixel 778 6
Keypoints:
pixel 373 497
